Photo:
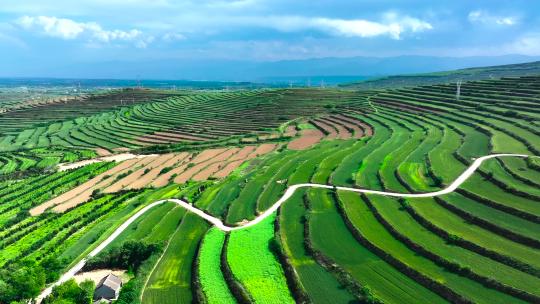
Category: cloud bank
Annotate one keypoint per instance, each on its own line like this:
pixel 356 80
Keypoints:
pixel 392 25
pixel 480 16
pixel 69 29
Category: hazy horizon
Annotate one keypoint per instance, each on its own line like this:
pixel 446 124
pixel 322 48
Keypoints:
pixel 126 38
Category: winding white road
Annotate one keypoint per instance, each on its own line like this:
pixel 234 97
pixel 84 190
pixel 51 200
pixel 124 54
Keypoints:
pixel 110 158
pixel 290 191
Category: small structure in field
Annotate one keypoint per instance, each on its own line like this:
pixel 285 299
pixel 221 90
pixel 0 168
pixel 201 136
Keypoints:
pixel 108 289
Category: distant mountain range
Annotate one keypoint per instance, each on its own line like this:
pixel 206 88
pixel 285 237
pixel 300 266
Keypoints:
pixel 480 73
pixel 320 70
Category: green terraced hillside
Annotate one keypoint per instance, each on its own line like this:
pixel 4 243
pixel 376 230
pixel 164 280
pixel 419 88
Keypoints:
pixel 477 244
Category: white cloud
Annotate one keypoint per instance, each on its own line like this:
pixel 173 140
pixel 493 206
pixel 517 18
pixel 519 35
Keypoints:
pixel 170 37
pixel 391 25
pixel 52 26
pixel 69 29
pixel 143 43
pixel 484 17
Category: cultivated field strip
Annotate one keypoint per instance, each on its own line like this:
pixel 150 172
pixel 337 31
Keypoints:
pixel 159 170
pixel 382 197
pixel 172 118
pixel 324 202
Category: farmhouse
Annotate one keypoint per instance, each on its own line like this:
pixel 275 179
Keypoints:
pixel 107 289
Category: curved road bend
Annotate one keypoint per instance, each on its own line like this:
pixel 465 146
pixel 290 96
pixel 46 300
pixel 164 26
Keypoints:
pixel 290 191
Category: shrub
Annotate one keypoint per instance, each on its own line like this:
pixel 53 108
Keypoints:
pixel 129 255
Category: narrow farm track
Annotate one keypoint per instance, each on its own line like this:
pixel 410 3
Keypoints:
pixel 288 193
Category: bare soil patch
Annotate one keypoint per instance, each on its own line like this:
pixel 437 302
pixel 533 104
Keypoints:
pixel 138 171
pixel 241 157
pixel 268 136
pixel 208 171
pixel 343 133
pixel 121 149
pixel 205 172
pixel 368 131
pixel 230 167
pixel 290 131
pixel 154 173
pixel 98 274
pixel 102 152
pixel 358 132
pixel 146 170
pixel 330 130
pixel 308 138
pixel 263 149
pixel 164 179
pixel 83 192
pixel 243 153
pixel 86 194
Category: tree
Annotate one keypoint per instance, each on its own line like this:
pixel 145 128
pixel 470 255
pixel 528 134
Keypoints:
pixel 52 267
pixel 88 288
pixel 21 281
pixel 71 292
pixel 129 255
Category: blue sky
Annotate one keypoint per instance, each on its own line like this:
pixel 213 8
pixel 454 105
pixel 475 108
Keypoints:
pixel 39 32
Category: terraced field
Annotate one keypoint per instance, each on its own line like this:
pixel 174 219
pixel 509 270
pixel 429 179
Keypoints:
pixel 230 156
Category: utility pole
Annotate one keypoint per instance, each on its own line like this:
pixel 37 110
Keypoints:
pixel 458 90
